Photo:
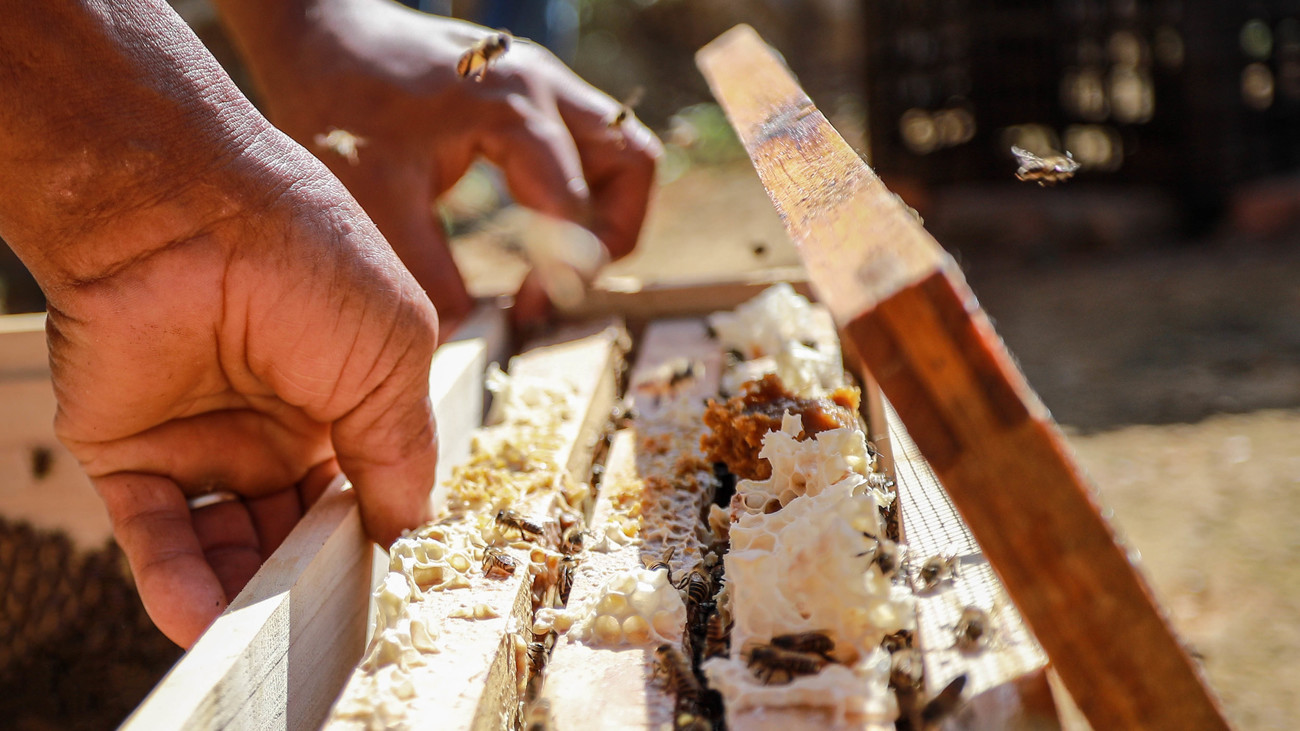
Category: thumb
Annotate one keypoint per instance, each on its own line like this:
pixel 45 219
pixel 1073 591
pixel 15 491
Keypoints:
pixel 387 445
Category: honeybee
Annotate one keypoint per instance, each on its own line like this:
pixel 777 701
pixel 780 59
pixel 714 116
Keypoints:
pixel 485 52
pixel 564 584
pixel 624 113
pixel 1048 170
pixel 972 629
pixel 698 585
pixel 717 634
pixel 341 142
pixel 944 703
pixel 905 669
pixel 679 676
pixel 528 528
pixel 571 541
pixel 768 660
pixel 498 563
pixel 661 564
pixel 938 569
pixel 688 721
pixel 886 554
pixel 900 640
pixel 536 656
pixel 817 643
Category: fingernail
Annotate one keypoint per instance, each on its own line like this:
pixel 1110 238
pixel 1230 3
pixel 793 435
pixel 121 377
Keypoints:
pixel 578 187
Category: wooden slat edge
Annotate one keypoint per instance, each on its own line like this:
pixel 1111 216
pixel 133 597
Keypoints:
pixel 286 645
pixel 239 671
pixel 640 301
pixel 904 304
pixel 472 681
pixel 629 697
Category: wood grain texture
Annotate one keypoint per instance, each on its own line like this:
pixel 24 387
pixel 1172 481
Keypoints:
pixel 278 656
pixel 906 308
pixel 640 301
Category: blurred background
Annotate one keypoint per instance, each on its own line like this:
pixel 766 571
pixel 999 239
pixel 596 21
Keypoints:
pixel 1153 301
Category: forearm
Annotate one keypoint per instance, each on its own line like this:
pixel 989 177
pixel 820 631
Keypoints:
pixel 111 111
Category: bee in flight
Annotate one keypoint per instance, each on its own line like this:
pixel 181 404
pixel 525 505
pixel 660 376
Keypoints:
pixel 1048 170
pixel 341 142
pixel 475 61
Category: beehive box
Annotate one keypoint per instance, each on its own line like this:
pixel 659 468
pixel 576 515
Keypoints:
pixel 295 637
pixel 292 649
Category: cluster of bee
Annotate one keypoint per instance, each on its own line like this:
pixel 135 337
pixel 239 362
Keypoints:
pixel 568 527
pixel 680 679
pixel 788 656
pixel 707 634
pixel 566 534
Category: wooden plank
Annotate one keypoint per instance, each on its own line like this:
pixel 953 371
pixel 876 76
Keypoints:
pixel 629 698
pixel 41 483
pixel 640 301
pixel 473 680
pixel 282 650
pixel 905 306
pixel 23 351
pixel 271 660
pixel 1010 656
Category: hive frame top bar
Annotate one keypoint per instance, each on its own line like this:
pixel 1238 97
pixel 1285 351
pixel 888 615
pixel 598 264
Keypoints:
pixel 906 311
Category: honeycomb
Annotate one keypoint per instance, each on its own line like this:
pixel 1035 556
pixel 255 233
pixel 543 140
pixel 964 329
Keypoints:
pixel 635 607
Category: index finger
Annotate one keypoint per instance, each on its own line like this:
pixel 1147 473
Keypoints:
pixel 618 161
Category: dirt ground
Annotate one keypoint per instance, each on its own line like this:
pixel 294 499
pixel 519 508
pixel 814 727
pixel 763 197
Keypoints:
pixel 1174 369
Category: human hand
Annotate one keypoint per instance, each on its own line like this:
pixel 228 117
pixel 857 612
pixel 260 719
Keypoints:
pixel 386 75
pixel 223 316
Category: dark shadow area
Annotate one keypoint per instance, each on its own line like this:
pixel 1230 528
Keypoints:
pixel 77 650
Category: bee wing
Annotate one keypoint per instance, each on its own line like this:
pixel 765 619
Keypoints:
pixel 467 63
pixel 1025 157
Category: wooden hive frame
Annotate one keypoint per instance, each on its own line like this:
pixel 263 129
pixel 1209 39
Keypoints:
pixel 280 654
pixel 264 663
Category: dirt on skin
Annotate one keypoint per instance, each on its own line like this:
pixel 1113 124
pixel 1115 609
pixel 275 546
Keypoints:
pixel 1174 369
